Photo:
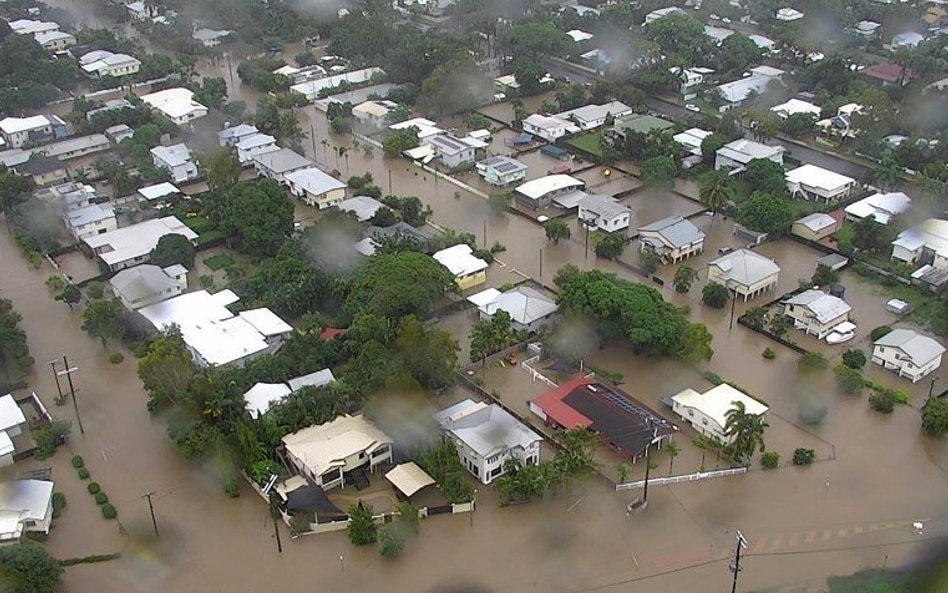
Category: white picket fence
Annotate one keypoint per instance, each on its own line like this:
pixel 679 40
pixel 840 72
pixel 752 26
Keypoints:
pixel 686 478
pixel 527 366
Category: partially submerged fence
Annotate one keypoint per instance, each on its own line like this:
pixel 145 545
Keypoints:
pixel 685 478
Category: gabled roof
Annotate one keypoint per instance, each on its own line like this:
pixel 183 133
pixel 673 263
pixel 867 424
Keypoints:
pixel 409 478
pixel 159 190
pixel 932 233
pixel 538 188
pixel 10 413
pixel 317 379
pixel 261 396
pixel 283 160
pixel 744 151
pixel 326 446
pixel 524 305
pixel 678 231
pixel 880 206
pixel 746 267
pixel 604 206
pixel 31 498
pixel 460 260
pixel 487 429
pixel 173 156
pixel 825 307
pixel 919 348
pixel 818 177
pixel 885 72
pixel 718 401
pixel 591 113
pixel 817 221
pixel 313 181
pixel 364 207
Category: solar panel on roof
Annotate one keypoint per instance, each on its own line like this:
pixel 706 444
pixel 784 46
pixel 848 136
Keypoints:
pixel 506 167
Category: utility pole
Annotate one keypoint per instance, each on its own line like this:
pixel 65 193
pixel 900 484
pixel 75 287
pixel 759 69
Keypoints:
pixel 68 371
pixel 151 508
pixel 648 467
pixel 736 565
pixel 485 235
pixel 541 266
pixel 733 304
pixel 268 490
pixel 389 182
pixel 312 136
pixel 931 388
pixel 59 386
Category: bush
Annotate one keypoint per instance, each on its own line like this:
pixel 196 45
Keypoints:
pixel 95 289
pixel 101 498
pixel 803 456
pixel 714 295
pixel 362 529
pixel 813 414
pixel 854 359
pixel 94 488
pixel 59 503
pixel 769 353
pixel 879 332
pixel 232 487
pixel 117 358
pixel 77 461
pixel 770 459
pixel 882 401
pixel 391 541
pixel 83 473
pixel 812 361
pixel 935 417
pixel 848 379
pixel 109 511
pixel 49 437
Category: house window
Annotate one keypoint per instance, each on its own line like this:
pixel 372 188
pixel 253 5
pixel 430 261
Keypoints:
pixel 494 472
pixel 691 412
pixel 704 421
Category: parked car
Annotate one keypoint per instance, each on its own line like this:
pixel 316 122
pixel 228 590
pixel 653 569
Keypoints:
pixel 692 107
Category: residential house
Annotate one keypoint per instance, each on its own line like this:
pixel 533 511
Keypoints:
pixel 212 333
pixel 501 170
pixel 548 127
pixel 821 185
pixel 177 104
pixel 73 148
pixel 735 156
pixel 261 396
pixel 717 34
pixel 816 312
pixel 118 132
pixel 374 113
pixel 177 160
pixel 426 128
pixel 841 124
pixel 17 131
pixel 639 123
pixel 94 219
pixel 132 245
pixel 589 117
pixel 102 63
pixel 278 164
pixel 765 43
pixel 882 207
pixel 907 40
pixel 363 207
pixel 542 192
pixel 110 105
pixel 315 187
pixel 31 27
pixel 623 423
pixel 145 285
pixel 815 227
pixel 139 11
pixel 467 269
pixel 908 353
pixel 690 80
pixel 796 107
pixel 579 35
pixel 152 193
pixel 788 15
pixel 707 412
pixel 337 453
pixel 744 273
pixel 452 151
pixel 43 171
pixel 924 243
pixel 735 93
pixel 662 13
pixel 486 437
pixel 253 145
pixel 54 40
pixel 886 73
pixel 672 239
pixel 231 136
pixel 210 37
pixel 530 310
pixel 67 196
pixel 604 213
pixel 25 506
pixel 691 140
pixel 12 424
pixel 866 29
pixel 310 89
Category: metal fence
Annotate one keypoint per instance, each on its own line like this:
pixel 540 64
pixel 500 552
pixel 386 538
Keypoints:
pixel 685 478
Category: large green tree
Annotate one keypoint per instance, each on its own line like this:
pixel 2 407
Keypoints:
pixel 167 369
pixel 223 171
pixel 288 283
pixel 173 249
pixel 766 176
pixel 491 334
pixel 259 215
pixel 397 284
pixel 29 568
pixel 103 320
pixel 15 359
pixel 766 213
pixel 429 354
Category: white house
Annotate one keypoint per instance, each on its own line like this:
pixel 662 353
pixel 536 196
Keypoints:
pixel 882 207
pixel 672 239
pixel 176 160
pixel 102 63
pixel 177 104
pixel 736 92
pixel 745 273
pixel 501 170
pixel 908 353
pixel 690 79
pixel 363 207
pixel 261 396
pixel 86 221
pixel 542 192
pixel 452 151
pixel 925 243
pixel 328 452
pixel 589 117
pixel 662 13
pixel 31 27
pixel 374 113
pixel 310 89
pixel 815 226
pixel 908 39
pixel 548 127
pixel 232 135
pixel 17 131
pixel 212 333
pixel 529 309
pixel 486 436
pixel 794 107
pixel 12 423
pixel 604 213
pixel 147 284
pixel 691 140
pixel 151 193
pixel 251 146
pixel 815 183
pixel 25 505
pixel 467 269
pixel 735 156
pixel 578 35
pixel 132 245
pixel 788 15
pixel 315 187
pixel 707 412
pixel 425 127
pixel 54 40
pixel 210 37
pixel 816 312
pixel 278 164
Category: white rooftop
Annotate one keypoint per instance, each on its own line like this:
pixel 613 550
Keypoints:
pixel 12 125
pixel 604 206
pixel 92 213
pixel 174 102
pixel 746 267
pixel 882 207
pixel 825 307
pixel 691 139
pixel 136 240
pixel 795 106
pixel 160 190
pixel 487 429
pixel 932 233
pixel 317 379
pixel 460 260
pixel 364 207
pixel 409 478
pixel 718 401
pixel 10 413
pixel 920 348
pixel 538 188
pixel 143 281
pixel 31 498
pixel 426 127
pixel 261 396
pixel 591 113
pixel 326 446
pixel 818 177
pixel 549 122
pixel 173 156
pixel 744 151
pixel 314 181
pixel 524 305
pixel 579 35
pixel 483 297
pixel 817 221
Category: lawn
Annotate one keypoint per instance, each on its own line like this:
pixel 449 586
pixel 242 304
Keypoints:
pixel 588 142
pixel 219 261
pixel 199 224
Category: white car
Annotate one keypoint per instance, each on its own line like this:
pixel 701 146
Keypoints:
pixel 692 107
pixel 843 332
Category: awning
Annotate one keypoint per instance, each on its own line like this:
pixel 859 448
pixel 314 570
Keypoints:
pixel 311 499
pixel 409 478
pixel 484 297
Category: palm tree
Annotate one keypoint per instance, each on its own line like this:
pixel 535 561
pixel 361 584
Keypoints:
pixel 715 192
pixel 746 431
pixel 672 449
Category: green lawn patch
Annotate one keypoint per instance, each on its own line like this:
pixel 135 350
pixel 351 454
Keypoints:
pixel 587 142
pixel 219 261
pixel 199 224
pixel 209 237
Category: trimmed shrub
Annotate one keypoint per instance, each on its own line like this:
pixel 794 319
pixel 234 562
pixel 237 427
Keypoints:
pixel 879 332
pixel 391 541
pixel 77 461
pixel 802 456
pixel 769 353
pixel 94 488
pixel 882 401
pixel 59 503
pixel 83 473
pixel 101 498
pixel 770 459
pixel 108 511
pixel 854 359
pixel 117 358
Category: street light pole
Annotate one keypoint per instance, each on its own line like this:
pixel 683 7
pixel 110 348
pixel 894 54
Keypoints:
pixel 151 508
pixel 59 386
